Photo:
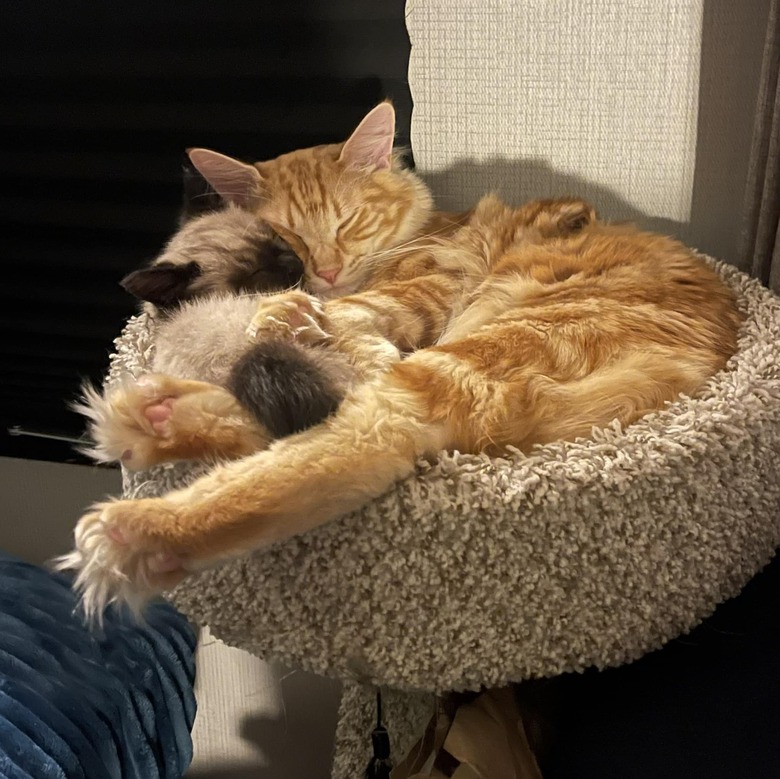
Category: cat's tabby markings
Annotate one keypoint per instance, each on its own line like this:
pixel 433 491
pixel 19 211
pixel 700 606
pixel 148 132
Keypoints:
pixel 530 325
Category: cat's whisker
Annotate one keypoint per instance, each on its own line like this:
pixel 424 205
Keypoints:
pixel 246 229
pixel 421 242
pixel 226 194
pixel 267 293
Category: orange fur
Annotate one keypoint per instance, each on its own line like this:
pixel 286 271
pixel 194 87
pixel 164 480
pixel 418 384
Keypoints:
pixel 199 421
pixel 343 207
pixel 546 323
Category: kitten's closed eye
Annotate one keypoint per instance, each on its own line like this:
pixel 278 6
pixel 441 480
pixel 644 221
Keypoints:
pixel 274 268
pixel 290 264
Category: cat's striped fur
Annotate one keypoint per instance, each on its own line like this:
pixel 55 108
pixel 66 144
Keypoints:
pixel 543 322
pixel 342 206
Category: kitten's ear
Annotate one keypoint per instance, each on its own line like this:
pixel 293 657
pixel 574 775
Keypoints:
pixel 236 181
pixel 164 284
pixel 370 147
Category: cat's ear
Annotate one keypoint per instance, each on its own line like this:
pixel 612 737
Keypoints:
pixel 234 180
pixel 575 214
pixel 198 196
pixel 561 216
pixel 164 284
pixel 370 147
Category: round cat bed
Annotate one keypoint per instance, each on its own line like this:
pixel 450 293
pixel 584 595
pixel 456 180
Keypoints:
pixel 480 571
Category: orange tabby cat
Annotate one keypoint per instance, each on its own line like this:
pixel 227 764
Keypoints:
pixel 342 207
pixel 544 322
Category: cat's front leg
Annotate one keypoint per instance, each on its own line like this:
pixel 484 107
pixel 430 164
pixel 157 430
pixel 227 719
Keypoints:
pixel 294 315
pixel 131 549
pixel 160 418
pixel 128 551
pixel 124 553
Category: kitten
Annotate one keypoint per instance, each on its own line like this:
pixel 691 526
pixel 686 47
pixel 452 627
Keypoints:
pixel 246 394
pixel 545 323
pixel 212 394
pixel 198 288
pixel 224 250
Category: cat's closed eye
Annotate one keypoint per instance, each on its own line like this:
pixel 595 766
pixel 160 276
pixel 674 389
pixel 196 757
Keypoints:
pixel 345 225
pixel 354 227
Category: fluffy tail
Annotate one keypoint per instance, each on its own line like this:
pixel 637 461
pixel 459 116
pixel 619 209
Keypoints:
pixel 287 388
pixel 275 389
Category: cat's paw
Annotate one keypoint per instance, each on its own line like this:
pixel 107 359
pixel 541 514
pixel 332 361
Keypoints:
pixel 160 418
pixel 123 555
pixel 292 315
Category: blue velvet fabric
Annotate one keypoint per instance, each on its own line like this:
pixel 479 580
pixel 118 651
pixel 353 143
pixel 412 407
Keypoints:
pixel 117 703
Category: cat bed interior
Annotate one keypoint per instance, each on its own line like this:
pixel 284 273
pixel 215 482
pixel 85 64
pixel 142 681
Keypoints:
pixel 74 703
pixel 479 571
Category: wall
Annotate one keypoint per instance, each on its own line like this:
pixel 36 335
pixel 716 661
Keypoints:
pixel 42 501
pixel 644 108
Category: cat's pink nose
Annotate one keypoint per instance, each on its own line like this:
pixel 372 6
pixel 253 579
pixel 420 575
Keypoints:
pixel 329 274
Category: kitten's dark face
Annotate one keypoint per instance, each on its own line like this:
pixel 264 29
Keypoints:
pixel 218 249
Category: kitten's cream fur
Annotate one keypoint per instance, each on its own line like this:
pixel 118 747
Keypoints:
pixel 184 410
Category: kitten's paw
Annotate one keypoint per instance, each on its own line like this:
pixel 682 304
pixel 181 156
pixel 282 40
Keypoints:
pixel 124 554
pixel 160 418
pixel 293 315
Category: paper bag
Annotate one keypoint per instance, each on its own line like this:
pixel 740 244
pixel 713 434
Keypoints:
pixel 483 739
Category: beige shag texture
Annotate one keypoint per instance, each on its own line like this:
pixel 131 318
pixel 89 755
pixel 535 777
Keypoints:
pixel 480 571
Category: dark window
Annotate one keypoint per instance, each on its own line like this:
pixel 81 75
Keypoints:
pixel 100 101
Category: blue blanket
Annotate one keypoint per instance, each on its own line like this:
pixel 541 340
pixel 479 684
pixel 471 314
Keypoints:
pixel 114 704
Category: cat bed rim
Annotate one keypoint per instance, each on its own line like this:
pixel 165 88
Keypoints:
pixel 737 407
